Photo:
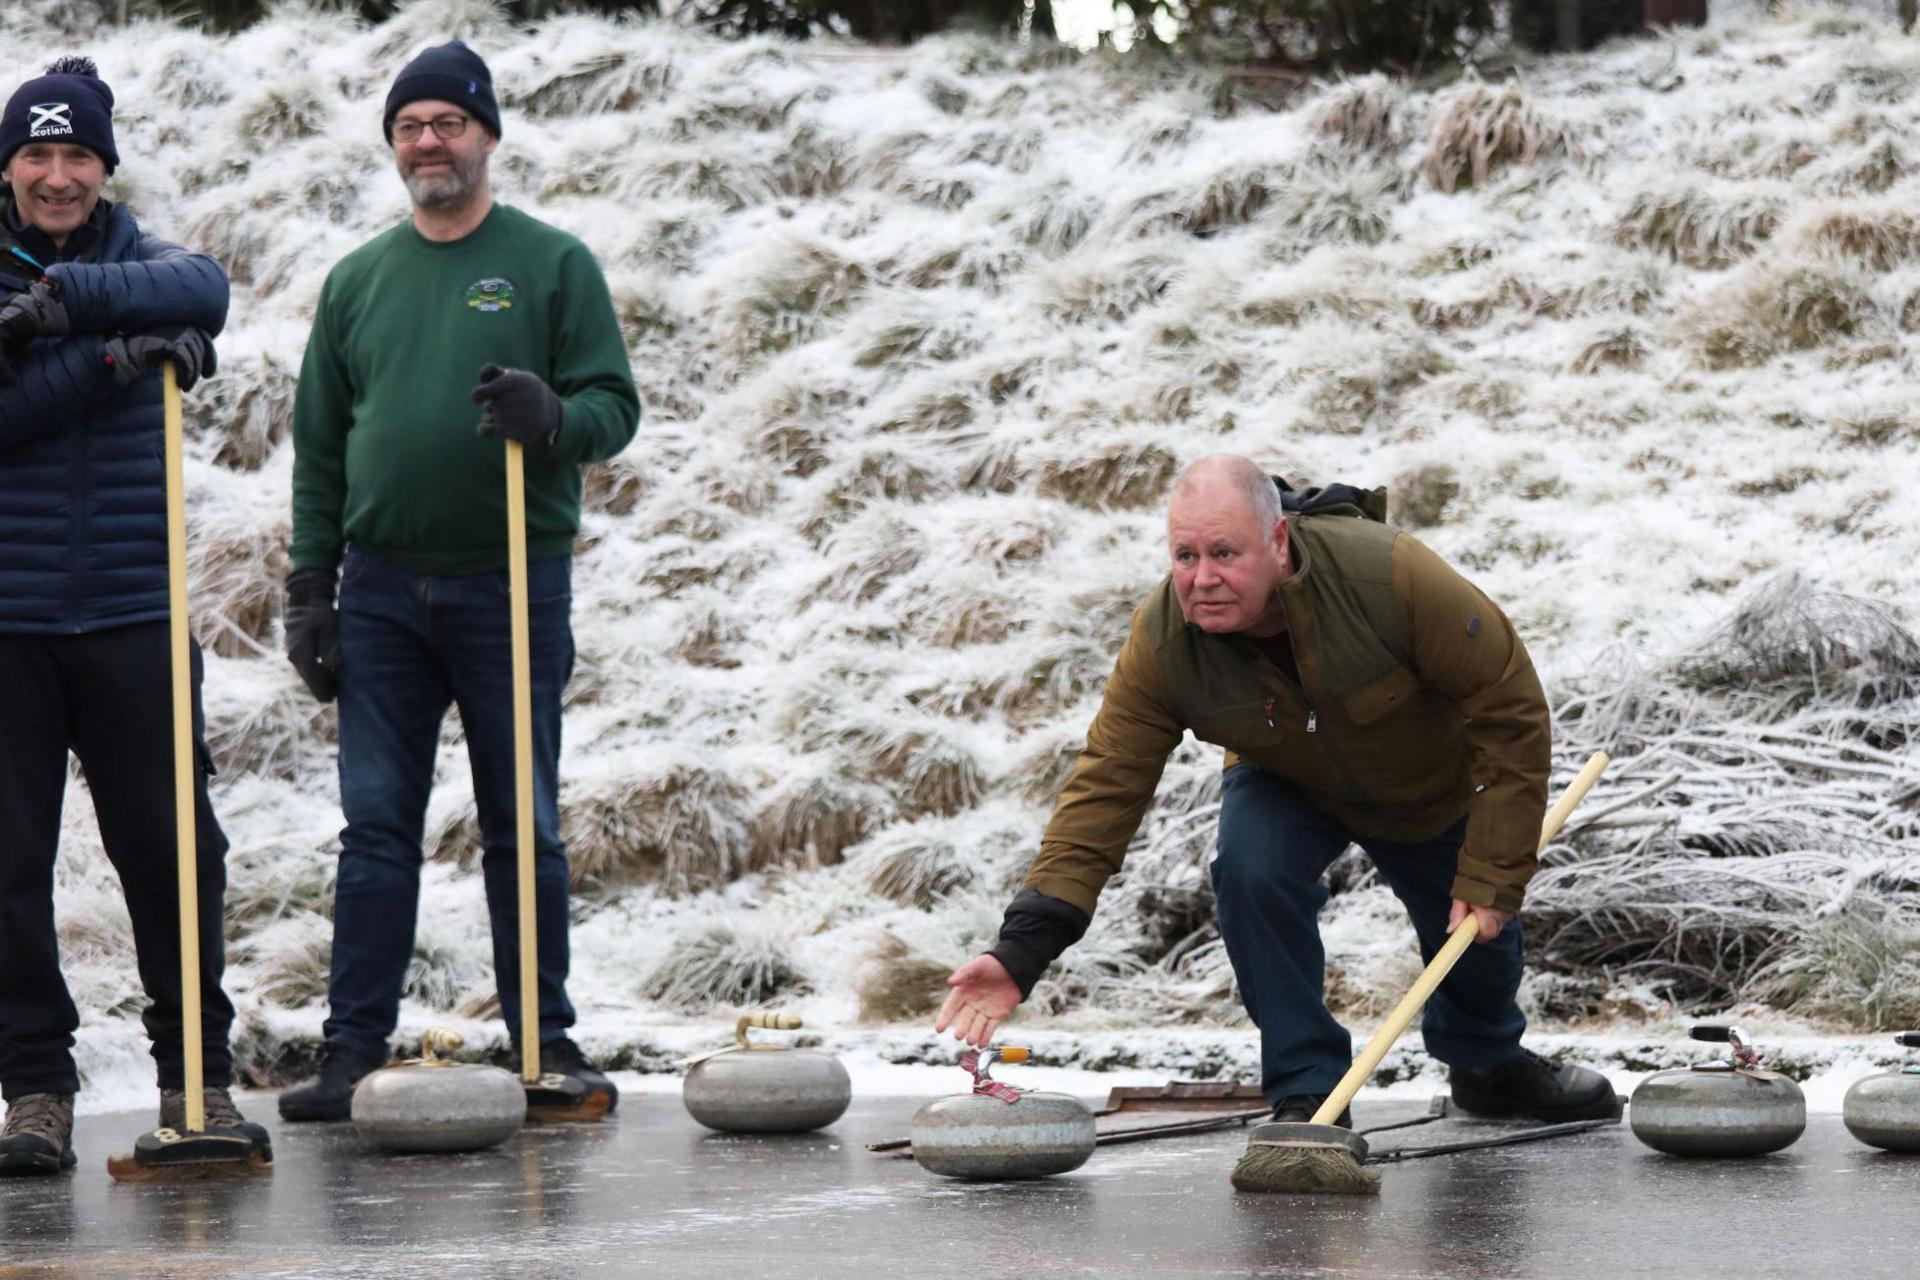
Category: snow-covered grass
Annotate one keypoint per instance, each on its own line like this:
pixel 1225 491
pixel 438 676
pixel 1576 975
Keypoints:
pixel 923 338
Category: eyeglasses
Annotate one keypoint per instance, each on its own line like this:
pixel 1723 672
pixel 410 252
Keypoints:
pixel 446 128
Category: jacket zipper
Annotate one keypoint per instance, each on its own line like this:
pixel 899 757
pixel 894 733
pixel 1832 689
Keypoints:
pixel 1327 748
pixel 1300 685
pixel 1270 707
pixel 76 550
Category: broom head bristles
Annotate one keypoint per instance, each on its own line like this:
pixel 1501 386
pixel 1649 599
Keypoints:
pixel 1305 1159
pixel 166 1155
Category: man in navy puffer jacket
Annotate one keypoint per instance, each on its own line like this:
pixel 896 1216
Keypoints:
pixel 89 310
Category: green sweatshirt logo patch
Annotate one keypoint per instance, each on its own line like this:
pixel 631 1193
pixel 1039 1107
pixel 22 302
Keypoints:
pixel 495 293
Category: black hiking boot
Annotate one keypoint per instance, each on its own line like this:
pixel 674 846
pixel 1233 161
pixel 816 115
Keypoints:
pixel 221 1115
pixel 1299 1108
pixel 563 1057
pixel 38 1139
pixel 1532 1086
pixel 329 1095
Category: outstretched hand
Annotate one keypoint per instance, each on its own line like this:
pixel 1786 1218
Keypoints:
pixel 983 994
pixel 1492 920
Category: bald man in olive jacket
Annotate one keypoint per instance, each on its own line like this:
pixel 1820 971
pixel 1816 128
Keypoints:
pixel 1366 694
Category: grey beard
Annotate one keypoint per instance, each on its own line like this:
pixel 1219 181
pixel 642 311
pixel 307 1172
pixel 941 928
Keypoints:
pixel 447 190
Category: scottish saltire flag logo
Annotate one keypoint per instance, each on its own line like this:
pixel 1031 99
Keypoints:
pixel 50 120
pixel 495 293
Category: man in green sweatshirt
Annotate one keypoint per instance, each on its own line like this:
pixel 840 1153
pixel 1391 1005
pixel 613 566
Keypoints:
pixel 399 498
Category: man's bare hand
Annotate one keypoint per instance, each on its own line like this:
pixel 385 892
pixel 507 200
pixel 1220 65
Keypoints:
pixel 1492 920
pixel 983 994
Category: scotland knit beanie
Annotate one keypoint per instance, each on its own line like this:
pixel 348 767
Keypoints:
pixel 70 104
pixel 448 72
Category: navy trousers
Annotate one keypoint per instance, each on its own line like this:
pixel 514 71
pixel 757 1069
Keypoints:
pixel 1273 848
pixel 412 645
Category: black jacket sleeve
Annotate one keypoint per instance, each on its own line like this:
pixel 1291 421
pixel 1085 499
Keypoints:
pixel 1033 933
pixel 163 284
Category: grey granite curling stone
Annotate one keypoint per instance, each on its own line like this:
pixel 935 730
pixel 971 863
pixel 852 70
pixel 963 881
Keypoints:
pixel 1884 1110
pixel 1729 1107
pixel 756 1088
pixel 997 1132
pixel 432 1104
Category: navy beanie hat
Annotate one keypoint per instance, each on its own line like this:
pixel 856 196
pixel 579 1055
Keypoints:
pixel 448 72
pixel 70 104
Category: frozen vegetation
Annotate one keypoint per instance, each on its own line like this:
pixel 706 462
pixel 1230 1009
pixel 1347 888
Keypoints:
pixel 923 335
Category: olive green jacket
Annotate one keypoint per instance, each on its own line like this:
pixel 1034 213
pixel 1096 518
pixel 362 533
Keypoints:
pixel 1416 704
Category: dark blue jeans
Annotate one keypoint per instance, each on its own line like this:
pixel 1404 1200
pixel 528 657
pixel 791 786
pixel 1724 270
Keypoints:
pixel 411 645
pixel 1274 846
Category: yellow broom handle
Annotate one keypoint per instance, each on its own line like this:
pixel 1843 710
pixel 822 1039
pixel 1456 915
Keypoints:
pixel 1463 937
pixel 183 789
pixel 523 760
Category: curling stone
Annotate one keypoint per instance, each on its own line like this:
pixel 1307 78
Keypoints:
pixel 760 1088
pixel 1884 1110
pixel 999 1132
pixel 433 1104
pixel 1728 1107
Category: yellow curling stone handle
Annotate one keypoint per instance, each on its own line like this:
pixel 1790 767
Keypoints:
pixel 436 1041
pixel 765 1022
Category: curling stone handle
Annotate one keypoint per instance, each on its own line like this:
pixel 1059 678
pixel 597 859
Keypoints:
pixel 1463 937
pixel 437 1041
pixel 1911 1039
pixel 1742 1055
pixel 766 1022
pixel 980 1063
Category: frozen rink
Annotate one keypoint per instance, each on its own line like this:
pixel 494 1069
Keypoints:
pixel 651 1193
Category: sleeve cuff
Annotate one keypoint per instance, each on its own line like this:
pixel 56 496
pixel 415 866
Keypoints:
pixel 1033 934
pixel 1481 894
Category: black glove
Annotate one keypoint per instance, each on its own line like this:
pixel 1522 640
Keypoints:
pixel 313 631
pixel 518 406
pixel 135 355
pixel 34 312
